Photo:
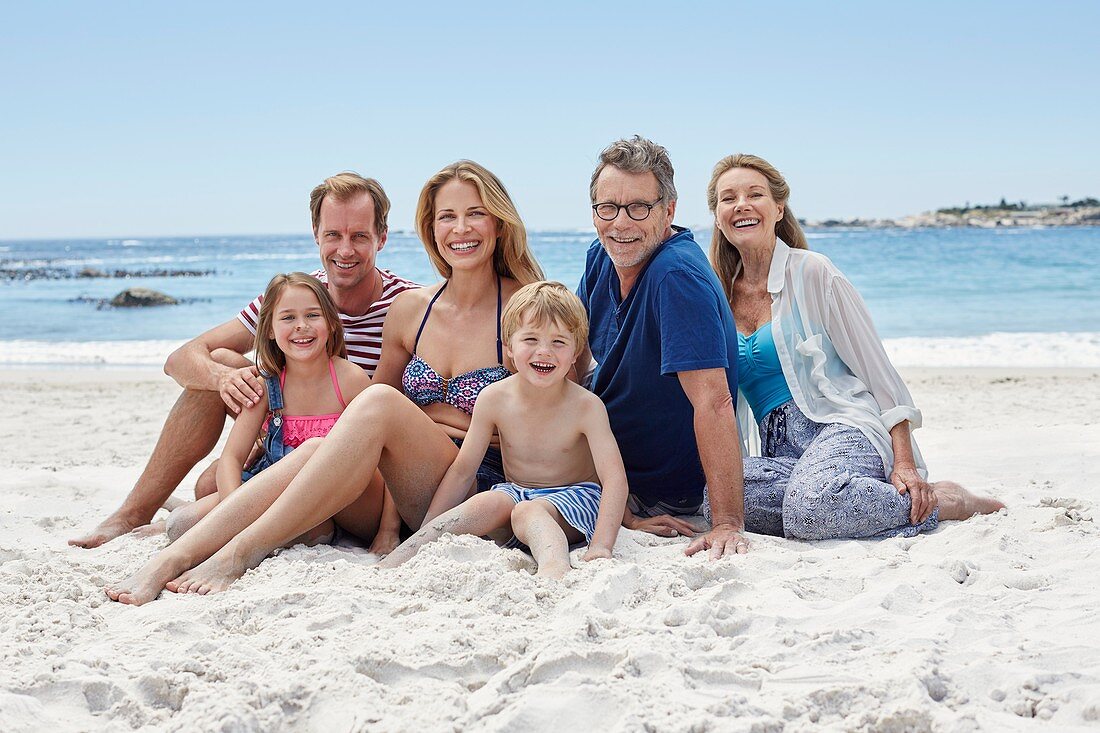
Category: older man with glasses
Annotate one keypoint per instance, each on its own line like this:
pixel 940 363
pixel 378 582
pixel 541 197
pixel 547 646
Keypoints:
pixel 666 353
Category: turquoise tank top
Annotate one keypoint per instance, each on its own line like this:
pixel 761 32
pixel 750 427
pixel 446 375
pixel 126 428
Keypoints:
pixel 759 373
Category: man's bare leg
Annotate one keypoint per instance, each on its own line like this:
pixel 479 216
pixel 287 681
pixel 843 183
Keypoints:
pixel 479 515
pixel 189 434
pixel 381 427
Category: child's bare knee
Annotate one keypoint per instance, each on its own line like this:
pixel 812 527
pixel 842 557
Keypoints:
pixel 207 482
pixel 525 511
pixel 179 521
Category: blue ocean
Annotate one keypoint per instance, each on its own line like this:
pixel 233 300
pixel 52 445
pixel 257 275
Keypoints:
pixel 940 297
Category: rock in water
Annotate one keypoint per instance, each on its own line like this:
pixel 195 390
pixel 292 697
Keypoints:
pixel 141 298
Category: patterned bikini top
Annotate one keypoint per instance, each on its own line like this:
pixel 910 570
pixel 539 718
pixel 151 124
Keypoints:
pixel 425 386
pixel 297 429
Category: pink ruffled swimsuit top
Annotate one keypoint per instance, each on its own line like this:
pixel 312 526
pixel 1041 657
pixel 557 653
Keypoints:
pixel 297 429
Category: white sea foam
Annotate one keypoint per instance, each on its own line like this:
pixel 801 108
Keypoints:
pixel 86 353
pixel 248 256
pixel 998 350
pixel 991 350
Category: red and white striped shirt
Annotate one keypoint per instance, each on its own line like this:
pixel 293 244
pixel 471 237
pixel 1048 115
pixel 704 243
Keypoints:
pixel 363 334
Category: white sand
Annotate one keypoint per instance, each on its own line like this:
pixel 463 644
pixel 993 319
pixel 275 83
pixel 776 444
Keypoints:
pixel 982 625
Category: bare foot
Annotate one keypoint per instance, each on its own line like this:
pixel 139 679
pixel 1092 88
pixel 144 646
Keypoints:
pixel 146 584
pixel 955 502
pixel 149 530
pixel 216 574
pixel 113 526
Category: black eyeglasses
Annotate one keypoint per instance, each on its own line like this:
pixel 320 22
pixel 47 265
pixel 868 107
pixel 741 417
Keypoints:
pixel 638 211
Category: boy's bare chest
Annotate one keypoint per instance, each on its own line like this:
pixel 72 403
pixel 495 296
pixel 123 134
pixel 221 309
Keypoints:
pixel 540 437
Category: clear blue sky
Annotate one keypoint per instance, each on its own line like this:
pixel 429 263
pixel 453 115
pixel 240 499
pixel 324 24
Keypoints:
pixel 138 119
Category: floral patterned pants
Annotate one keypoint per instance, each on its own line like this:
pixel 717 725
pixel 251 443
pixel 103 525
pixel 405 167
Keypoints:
pixel 817 482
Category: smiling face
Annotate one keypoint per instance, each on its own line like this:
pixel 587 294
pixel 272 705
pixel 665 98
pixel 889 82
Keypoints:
pixel 349 241
pixel 630 243
pixel 745 211
pixel 464 230
pixel 298 325
pixel 543 353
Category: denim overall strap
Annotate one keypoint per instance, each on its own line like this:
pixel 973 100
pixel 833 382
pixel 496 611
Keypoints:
pixel 273 441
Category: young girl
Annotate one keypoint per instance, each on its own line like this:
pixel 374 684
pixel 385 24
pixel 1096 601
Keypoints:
pixel 309 381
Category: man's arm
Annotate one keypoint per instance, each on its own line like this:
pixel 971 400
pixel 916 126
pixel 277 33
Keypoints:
pixel 214 362
pixel 720 454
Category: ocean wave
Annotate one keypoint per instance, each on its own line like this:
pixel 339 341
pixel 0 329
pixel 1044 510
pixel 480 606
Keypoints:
pixel 86 353
pixel 312 255
pixel 1034 350
pixel 1065 349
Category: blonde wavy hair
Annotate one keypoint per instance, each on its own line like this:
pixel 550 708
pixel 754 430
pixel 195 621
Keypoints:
pixel 269 356
pixel 511 258
pixel 724 257
pixel 545 302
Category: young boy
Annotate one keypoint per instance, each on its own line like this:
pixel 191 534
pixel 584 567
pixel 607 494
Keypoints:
pixel 555 439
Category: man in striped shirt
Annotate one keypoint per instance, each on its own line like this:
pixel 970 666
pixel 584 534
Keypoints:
pixel 349 224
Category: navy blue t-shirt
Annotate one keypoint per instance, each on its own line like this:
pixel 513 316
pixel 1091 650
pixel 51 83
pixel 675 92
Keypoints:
pixel 674 319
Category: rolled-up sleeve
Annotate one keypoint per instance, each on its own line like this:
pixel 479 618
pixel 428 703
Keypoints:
pixel 850 328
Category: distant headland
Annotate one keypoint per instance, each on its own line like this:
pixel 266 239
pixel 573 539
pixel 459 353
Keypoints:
pixel 1084 212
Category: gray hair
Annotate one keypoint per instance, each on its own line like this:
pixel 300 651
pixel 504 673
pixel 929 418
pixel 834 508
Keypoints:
pixel 638 155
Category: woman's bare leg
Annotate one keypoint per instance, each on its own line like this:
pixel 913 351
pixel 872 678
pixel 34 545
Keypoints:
pixel 380 427
pixel 478 515
pixel 362 516
pixel 224 521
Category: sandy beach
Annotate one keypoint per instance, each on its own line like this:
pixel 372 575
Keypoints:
pixel 989 624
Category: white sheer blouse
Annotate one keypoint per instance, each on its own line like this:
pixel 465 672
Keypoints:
pixel 832 357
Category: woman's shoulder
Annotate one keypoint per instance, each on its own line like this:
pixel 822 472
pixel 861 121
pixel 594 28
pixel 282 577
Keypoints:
pixel 409 303
pixel 349 373
pixel 418 295
pixel 811 263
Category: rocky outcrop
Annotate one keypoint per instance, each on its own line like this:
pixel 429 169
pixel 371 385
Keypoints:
pixel 13 271
pixel 141 298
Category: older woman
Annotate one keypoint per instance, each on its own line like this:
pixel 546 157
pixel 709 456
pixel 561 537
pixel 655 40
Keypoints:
pixel 837 457
pixel 476 240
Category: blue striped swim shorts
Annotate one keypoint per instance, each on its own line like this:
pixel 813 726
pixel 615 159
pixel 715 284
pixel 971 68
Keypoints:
pixel 578 504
